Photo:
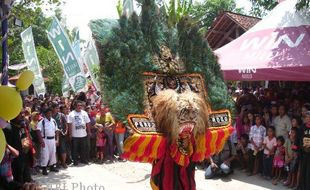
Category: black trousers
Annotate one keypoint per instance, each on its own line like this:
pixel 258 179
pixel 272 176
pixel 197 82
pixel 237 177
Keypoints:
pixel 267 165
pixel 79 149
pixel 92 148
pixel 305 171
pixel 21 169
pixel 252 159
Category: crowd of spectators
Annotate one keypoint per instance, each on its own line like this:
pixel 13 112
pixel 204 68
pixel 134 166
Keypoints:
pixel 271 137
pixel 52 132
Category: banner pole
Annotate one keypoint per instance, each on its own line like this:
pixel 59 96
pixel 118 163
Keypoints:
pixel 4 26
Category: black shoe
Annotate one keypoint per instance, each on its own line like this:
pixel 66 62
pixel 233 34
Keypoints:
pixel 84 162
pixel 75 163
pixel 121 160
pixel 69 161
pixel 44 171
pixel 53 169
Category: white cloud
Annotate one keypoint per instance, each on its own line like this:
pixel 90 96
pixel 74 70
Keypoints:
pixel 78 13
pixel 246 4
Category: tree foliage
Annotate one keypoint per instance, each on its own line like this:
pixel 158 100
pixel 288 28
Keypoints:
pixel 303 4
pixel 119 8
pixel 261 7
pixel 51 69
pixel 31 13
pixel 175 10
pixel 205 12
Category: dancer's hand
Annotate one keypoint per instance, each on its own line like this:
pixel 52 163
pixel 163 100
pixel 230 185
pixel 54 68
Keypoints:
pixel 214 166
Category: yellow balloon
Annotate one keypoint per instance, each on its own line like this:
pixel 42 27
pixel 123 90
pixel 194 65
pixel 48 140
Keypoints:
pixel 10 103
pixel 25 80
pixel 2 144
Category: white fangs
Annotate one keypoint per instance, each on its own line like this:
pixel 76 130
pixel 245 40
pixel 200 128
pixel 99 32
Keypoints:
pixel 187 127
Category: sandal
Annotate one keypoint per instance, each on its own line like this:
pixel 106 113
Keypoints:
pixel 286 183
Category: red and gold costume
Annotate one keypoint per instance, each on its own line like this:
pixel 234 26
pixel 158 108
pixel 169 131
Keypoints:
pixel 177 130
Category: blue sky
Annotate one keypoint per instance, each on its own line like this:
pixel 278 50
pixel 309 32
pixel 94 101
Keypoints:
pixel 79 12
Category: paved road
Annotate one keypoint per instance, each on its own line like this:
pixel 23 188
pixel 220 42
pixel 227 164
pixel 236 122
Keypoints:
pixel 128 175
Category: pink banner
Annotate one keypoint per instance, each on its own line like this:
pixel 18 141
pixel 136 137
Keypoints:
pixel 271 54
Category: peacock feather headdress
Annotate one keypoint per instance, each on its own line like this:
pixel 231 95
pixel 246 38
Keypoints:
pixel 129 47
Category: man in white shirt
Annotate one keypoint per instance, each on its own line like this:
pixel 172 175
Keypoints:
pixel 79 128
pixel 282 123
pixel 48 137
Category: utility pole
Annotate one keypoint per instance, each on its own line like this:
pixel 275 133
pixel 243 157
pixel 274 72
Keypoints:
pixel 5 11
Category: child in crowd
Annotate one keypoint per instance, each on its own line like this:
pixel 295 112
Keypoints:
pixel 257 134
pixel 278 160
pixel 269 144
pixel 100 143
pixel 93 133
pixel 274 114
pixel 242 149
pixel 243 125
pixel 291 158
pixel 6 163
pixel 266 117
pixel 296 122
pixel 35 118
pixel 251 118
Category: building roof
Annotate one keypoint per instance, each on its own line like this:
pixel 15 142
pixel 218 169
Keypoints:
pixel 246 22
pixel 224 23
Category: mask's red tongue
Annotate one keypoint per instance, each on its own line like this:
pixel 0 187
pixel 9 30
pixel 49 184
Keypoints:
pixel 186 130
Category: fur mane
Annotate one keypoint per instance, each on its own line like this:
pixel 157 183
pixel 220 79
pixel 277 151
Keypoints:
pixel 166 108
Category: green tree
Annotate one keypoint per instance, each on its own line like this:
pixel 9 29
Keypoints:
pixel 51 69
pixel 205 12
pixel 119 7
pixel 261 7
pixel 303 4
pixel 176 9
pixel 31 13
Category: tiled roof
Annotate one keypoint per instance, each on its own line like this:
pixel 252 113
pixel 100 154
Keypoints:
pixel 244 21
pixel 220 33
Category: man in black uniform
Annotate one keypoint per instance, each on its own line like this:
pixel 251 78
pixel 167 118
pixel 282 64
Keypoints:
pixel 15 135
pixel 305 155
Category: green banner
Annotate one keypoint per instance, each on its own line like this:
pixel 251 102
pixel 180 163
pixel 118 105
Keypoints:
pixel 65 87
pixel 76 44
pixel 63 48
pixel 32 62
pixel 91 60
pixel 128 7
pixel 91 54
